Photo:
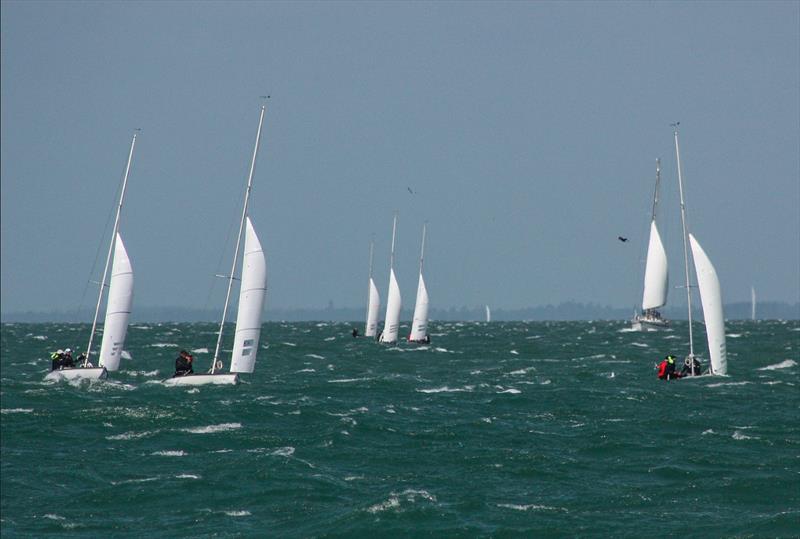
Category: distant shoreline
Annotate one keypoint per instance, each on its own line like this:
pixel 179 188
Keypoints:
pixel 569 311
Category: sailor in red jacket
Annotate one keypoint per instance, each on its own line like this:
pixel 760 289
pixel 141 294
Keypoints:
pixel 666 369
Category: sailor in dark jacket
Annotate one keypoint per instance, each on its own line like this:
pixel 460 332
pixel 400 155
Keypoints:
pixel 183 364
pixel 691 367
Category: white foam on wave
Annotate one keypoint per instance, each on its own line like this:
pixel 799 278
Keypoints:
pixel 394 501
pixel 737 435
pixel 211 429
pixel 126 355
pixel 328 339
pixel 348 380
pixel 239 513
pixel 178 453
pixel 627 330
pixel 143 373
pixel 530 507
pixel 446 389
pixel 307 370
pixel 708 431
pixel 53 516
pixel 40 337
pixel 521 371
pixel 16 410
pixel 283 452
pixel 139 480
pixel 289 343
pixel 130 435
pixel 199 350
pixel 164 345
pixel 315 356
pixel 782 365
pixel 720 384
pixel 510 390
pixel 733 335
pixel 514 352
pixel 640 344
pixel 187 476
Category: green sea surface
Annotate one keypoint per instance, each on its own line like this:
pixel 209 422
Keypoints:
pixel 556 429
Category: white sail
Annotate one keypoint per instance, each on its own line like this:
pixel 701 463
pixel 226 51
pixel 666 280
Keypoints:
pixel 656 278
pixel 252 291
pixel 752 303
pixel 373 309
pixel 393 305
pixel 711 298
pixel 488 314
pixel 419 326
pixel 118 308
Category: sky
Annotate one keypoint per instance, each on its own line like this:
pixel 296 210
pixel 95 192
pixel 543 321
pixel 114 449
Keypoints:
pixel 524 133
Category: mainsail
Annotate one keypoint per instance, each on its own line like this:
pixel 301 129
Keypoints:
pixel 373 300
pixel 419 324
pixel 393 306
pixel 711 298
pixel 252 291
pixel 656 279
pixel 118 308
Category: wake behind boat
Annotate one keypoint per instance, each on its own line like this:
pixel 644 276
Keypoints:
pixel 118 306
pixel 252 291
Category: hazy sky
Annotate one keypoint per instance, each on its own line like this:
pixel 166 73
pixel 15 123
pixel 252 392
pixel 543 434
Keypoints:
pixel 528 133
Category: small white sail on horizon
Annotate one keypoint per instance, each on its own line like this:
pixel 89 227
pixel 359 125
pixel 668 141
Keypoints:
pixel 118 308
pixel 373 301
pixel 419 324
pixel 394 303
pixel 488 314
pixel 752 303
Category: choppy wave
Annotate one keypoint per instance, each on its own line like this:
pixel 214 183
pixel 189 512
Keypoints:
pixel 211 429
pixel 782 365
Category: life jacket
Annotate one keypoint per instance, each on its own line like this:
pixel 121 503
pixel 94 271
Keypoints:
pixel 662 369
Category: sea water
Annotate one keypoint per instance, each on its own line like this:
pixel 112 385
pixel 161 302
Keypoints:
pixel 498 429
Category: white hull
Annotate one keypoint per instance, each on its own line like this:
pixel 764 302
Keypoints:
pixel 203 379
pixel 646 323
pixel 78 373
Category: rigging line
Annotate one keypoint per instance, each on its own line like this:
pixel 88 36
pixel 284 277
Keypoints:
pixel 100 245
pixel 222 253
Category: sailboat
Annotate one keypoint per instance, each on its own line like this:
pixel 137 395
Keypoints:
pixel 710 290
pixel 419 325
pixel 656 277
pixel 752 303
pixel 488 314
pixel 252 291
pixel 118 306
pixel 394 303
pixel 373 301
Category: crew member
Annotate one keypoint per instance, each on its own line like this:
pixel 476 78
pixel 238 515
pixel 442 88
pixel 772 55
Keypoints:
pixel 57 358
pixel 691 367
pixel 666 369
pixel 68 361
pixel 183 364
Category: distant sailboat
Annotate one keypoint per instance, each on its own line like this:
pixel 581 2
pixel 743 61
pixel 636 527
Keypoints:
pixel 252 291
pixel 394 303
pixel 118 306
pixel 488 314
pixel 419 325
pixel 710 290
pixel 752 303
pixel 656 276
pixel 373 300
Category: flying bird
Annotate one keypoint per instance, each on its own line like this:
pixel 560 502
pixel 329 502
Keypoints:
pixel 409 190
pixel 623 240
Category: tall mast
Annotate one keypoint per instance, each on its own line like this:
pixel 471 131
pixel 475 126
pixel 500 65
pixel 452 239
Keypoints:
pixel 238 239
pixel 394 230
pixel 685 241
pixel 110 248
pixel 422 250
pixel 371 251
pixel 658 181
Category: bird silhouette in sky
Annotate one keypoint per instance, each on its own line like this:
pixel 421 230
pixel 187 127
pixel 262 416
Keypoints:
pixel 409 190
pixel 623 240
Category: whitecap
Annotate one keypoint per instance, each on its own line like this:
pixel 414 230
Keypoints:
pixel 210 429
pixel 178 453
pixel 52 516
pixel 283 452
pixel 530 507
pixel 509 390
pixel 289 343
pixel 720 384
pixel 347 380
pixel 782 365
pixel 315 356
pixel 383 506
pixel 307 370
pixel 439 349
pixel 126 355
pixel 240 513
pixel 187 476
pixel 640 344
pixel 733 335
pixel 16 410
pixel 353 477
pixel 40 337
pixel 329 339
pixel 129 435
pixel 708 431
pixel 164 345
pixel 200 350
pixel 446 389
pixel 737 435
pixel 514 352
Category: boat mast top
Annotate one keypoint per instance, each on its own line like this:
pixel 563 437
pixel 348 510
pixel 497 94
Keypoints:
pixel 658 182
pixel 238 238
pixel 111 247
pixel 394 230
pixel 371 251
pixel 422 250
pixel 685 239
